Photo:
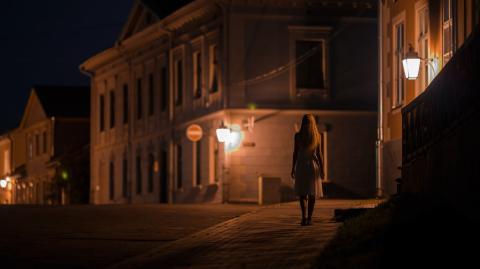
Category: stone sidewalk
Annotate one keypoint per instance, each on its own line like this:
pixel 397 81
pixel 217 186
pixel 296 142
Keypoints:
pixel 270 237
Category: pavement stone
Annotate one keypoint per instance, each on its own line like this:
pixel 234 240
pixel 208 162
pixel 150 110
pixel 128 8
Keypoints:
pixel 270 237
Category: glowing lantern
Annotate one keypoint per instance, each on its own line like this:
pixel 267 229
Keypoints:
pixel 223 134
pixel 411 64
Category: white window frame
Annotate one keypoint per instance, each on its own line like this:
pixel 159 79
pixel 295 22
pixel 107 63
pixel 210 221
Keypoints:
pixel 447 25
pixel 422 32
pixel 398 95
pixel 316 34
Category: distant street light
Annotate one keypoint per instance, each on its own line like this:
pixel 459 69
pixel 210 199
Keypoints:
pixel 411 64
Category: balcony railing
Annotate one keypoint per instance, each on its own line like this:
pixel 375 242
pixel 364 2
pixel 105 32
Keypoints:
pixel 452 97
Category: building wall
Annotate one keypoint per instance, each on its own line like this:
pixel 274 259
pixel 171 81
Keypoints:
pixel 5 170
pixel 392 12
pixel 267 151
pixel 241 36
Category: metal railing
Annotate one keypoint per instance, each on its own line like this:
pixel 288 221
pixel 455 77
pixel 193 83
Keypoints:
pixel 453 96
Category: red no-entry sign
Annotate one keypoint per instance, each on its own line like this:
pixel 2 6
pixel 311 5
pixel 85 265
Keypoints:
pixel 194 132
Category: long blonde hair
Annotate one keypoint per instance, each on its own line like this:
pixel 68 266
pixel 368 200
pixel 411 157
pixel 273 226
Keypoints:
pixel 309 136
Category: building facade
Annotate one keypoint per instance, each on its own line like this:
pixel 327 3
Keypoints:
pixel 254 67
pixel 52 136
pixel 434 29
pixel 6 184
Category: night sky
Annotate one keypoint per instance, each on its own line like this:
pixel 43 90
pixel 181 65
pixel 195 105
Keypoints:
pixel 44 42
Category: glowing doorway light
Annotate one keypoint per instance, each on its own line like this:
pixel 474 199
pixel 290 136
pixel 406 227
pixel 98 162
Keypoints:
pixel 411 64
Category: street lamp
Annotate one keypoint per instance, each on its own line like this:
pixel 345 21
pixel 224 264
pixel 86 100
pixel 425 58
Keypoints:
pixel 411 64
pixel 223 133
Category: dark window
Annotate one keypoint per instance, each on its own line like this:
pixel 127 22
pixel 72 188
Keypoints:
pixel 164 88
pixel 139 174
pixel 37 144
pixel 125 178
pixel 150 94
pixel 112 109
pixel 198 163
pixel 151 172
pixel 213 69
pixel 197 76
pixel 44 142
pixel 309 72
pixel 125 103
pixel 139 98
pixel 179 82
pixel 102 113
pixel 476 13
pixel 112 181
pixel 179 166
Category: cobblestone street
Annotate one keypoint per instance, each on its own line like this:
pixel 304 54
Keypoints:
pixel 165 236
pixel 267 238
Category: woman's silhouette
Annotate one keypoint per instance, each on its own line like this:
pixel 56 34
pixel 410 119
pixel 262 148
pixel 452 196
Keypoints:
pixel 307 166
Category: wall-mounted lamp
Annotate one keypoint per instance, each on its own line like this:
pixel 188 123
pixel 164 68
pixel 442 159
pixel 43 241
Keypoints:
pixel 411 64
pixel 3 183
pixel 223 133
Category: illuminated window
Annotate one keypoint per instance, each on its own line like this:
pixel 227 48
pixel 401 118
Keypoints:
pixel 447 31
pixel 150 95
pixel 398 76
pixel 310 72
pixel 111 190
pixel 163 88
pixel 178 82
pixel 102 113
pixel 125 103
pixel 112 109
pixel 139 99
pixel 213 68
pixel 197 74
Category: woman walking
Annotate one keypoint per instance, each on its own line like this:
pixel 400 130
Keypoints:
pixel 307 166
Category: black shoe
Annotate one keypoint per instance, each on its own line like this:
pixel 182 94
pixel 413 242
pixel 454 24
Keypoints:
pixel 303 222
pixel 309 222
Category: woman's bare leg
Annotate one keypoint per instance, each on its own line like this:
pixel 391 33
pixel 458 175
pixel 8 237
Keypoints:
pixel 311 206
pixel 303 207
